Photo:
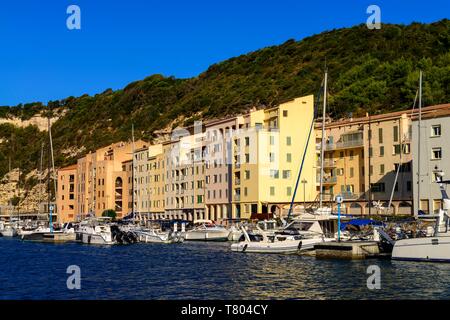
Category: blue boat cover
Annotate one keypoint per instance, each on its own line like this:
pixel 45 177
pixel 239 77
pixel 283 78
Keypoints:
pixel 361 222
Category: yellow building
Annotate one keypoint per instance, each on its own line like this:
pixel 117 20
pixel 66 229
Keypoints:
pixel 268 150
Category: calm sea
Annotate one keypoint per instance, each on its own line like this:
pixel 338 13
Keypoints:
pixel 204 271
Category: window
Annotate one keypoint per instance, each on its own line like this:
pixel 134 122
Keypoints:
pixel 272 191
pixel 395 133
pixel 437 205
pixel 288 141
pixel 352 172
pixel 340 171
pixel 351 154
pixel 378 187
pixel 396 149
pixel 272 157
pixel 247 141
pixel 341 154
pixel 247 174
pixel 286 174
pixel 406 148
pixel 370 170
pixel 288 157
pixel 272 140
pixel 247 158
pixel 370 152
pixel 436 130
pixel 245 191
pixel 274 174
pixel 288 191
pixel 381 169
pixel 380 135
pixel 285 113
pixel 381 151
pixel 436 153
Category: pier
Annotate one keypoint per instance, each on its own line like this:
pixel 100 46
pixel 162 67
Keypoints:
pixel 352 250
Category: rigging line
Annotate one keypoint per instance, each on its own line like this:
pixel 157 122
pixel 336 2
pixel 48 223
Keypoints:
pixel 402 150
pixel 304 154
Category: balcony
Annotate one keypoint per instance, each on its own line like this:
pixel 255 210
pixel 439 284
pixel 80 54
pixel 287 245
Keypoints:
pixel 237 197
pixel 327 180
pixel 348 195
pixel 327 163
pixel 359 143
pixel 237 182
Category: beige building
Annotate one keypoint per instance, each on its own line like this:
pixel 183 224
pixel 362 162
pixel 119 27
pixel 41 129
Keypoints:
pixel 185 176
pixel 361 160
pixel 99 174
pixel 66 191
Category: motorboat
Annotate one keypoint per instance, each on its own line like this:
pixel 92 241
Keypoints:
pixel 47 234
pixel 235 233
pixel 149 235
pixel 260 242
pixel 433 248
pixel 95 234
pixel 206 230
pixel 7 229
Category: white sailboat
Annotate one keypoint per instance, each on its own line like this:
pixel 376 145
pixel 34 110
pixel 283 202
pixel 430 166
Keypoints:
pixel 435 248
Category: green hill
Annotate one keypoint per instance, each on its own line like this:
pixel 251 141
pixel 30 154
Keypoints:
pixel 369 70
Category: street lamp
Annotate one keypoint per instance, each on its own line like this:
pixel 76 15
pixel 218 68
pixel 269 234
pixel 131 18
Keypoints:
pixel 304 191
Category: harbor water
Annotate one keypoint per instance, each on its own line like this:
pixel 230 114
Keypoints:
pixel 199 270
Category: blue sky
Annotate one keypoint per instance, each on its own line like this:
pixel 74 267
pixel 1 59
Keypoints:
pixel 122 41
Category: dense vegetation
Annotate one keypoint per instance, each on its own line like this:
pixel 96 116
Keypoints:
pixel 369 70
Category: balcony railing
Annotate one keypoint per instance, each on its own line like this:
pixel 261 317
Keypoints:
pixel 327 180
pixel 237 197
pixel 344 145
pixel 327 163
pixel 237 181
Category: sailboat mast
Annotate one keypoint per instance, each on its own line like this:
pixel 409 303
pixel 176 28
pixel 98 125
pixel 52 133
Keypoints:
pixel 323 138
pixel 419 141
pixel 132 172
pixel 40 177
pixel 52 158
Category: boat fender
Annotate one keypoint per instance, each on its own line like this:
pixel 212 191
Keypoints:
pixel 245 247
pixel 300 245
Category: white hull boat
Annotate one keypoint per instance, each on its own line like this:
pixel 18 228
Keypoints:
pixel 207 231
pixel 9 232
pixel 152 236
pixel 435 248
pixel 98 234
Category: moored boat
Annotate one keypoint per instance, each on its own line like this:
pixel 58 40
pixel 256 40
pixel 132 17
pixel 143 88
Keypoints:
pixel 206 230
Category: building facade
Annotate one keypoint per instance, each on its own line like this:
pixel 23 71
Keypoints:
pixel 66 193
pixel 434 155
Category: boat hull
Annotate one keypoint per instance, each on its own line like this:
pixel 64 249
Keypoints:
pixel 9 233
pixel 433 249
pixel 89 238
pixel 286 247
pixel 207 235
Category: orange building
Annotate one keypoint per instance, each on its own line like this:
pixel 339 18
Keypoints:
pixel 65 201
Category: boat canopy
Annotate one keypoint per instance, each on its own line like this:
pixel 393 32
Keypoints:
pixel 361 222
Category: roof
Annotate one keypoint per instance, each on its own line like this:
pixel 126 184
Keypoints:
pixel 71 167
pixel 436 113
pixel 435 109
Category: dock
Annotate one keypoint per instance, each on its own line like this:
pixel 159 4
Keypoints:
pixel 350 250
